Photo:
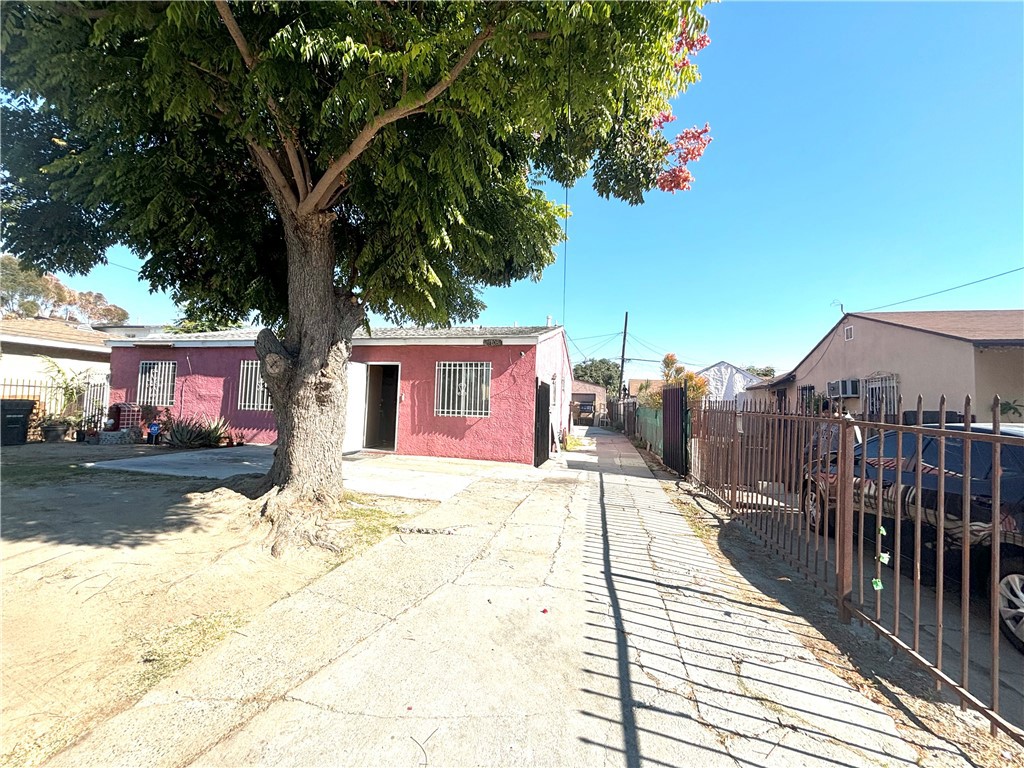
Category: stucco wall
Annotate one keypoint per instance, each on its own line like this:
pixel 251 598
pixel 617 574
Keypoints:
pixel 205 385
pixel 1000 371
pixel 505 435
pixel 585 392
pixel 207 380
pixel 927 364
pixel 552 362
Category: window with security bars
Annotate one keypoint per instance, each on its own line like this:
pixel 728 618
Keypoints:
pixel 881 396
pixel 806 397
pixel 252 390
pixel 156 382
pixel 463 389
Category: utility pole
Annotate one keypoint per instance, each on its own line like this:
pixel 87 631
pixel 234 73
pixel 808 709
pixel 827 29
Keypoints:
pixel 622 362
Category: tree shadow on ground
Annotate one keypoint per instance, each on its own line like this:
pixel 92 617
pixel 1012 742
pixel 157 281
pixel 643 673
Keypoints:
pixel 52 495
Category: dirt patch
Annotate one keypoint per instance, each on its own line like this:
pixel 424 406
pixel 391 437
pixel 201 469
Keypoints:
pixel 113 580
pixel 907 694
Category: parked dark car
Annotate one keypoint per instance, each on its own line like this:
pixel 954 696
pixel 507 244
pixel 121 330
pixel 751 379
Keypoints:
pixel 876 459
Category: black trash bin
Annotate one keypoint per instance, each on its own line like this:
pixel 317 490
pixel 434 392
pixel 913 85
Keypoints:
pixel 14 418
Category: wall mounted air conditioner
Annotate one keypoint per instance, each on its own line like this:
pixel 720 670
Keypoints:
pixel 844 388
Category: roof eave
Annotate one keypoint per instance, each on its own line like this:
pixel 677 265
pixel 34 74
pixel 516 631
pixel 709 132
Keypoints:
pixel 52 343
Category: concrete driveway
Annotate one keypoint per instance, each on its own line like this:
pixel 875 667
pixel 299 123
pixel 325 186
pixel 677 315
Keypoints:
pixel 410 477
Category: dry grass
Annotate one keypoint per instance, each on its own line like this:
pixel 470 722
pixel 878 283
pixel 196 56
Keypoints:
pixel 373 518
pixel 171 648
pixel 573 443
pixel 705 526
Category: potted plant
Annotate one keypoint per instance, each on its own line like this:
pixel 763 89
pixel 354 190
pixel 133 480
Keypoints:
pixel 69 387
pixel 55 427
pixel 79 422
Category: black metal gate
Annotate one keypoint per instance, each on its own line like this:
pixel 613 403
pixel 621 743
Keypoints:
pixel 542 424
pixel 675 426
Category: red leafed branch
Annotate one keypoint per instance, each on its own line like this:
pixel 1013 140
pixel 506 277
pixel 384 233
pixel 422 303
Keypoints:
pixel 662 120
pixel 691 143
pixel 687 44
pixel 687 148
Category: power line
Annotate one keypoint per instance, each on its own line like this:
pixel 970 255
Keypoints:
pixel 601 345
pixel 945 290
pixel 121 266
pixel 577 348
pixel 639 341
pixel 590 353
pixel 599 336
pixel 606 336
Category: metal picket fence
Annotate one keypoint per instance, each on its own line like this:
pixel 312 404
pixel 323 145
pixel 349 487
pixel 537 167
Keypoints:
pixel 874 512
pixel 91 404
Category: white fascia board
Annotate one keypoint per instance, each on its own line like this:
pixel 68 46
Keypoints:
pixel 50 343
pixel 170 343
pixel 549 334
pixel 475 341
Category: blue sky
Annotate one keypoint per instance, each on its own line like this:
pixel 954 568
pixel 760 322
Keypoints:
pixel 863 154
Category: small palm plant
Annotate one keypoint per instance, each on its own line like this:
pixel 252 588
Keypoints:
pixel 70 388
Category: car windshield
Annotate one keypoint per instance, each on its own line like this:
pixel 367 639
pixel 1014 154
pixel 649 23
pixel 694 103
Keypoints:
pixel 874 447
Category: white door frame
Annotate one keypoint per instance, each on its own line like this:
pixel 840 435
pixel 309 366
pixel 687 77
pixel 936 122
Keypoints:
pixel 398 400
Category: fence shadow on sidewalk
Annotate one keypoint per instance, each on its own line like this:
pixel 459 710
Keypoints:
pixel 811 615
pixel 681 670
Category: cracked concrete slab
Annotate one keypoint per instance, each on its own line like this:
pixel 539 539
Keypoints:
pixel 570 618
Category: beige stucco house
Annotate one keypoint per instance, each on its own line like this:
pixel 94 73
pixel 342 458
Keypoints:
pixel 81 353
pixel 590 401
pixel 868 361
pixel 75 348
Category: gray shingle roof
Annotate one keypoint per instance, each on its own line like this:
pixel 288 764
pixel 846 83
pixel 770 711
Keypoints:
pixel 977 325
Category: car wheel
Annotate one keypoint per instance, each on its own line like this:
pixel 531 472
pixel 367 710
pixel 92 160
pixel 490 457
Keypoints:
pixel 812 506
pixel 1011 600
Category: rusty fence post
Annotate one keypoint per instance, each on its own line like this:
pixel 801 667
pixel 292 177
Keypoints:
pixel 844 523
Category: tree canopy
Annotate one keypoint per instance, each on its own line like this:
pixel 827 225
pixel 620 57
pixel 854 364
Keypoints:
pixel 764 371
pixel 424 129
pixel 26 293
pixel 602 372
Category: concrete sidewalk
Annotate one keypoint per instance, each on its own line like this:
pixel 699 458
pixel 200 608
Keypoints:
pixel 572 618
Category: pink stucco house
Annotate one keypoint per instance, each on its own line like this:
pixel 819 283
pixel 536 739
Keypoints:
pixel 499 394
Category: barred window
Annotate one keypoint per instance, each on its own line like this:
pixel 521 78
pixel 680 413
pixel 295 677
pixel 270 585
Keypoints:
pixel 806 395
pixel 156 382
pixel 881 394
pixel 252 390
pixel 463 389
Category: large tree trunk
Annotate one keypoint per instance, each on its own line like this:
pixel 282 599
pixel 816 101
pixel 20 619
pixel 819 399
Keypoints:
pixel 306 375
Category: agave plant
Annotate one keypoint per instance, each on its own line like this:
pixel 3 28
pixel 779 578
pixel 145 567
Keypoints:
pixel 195 432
